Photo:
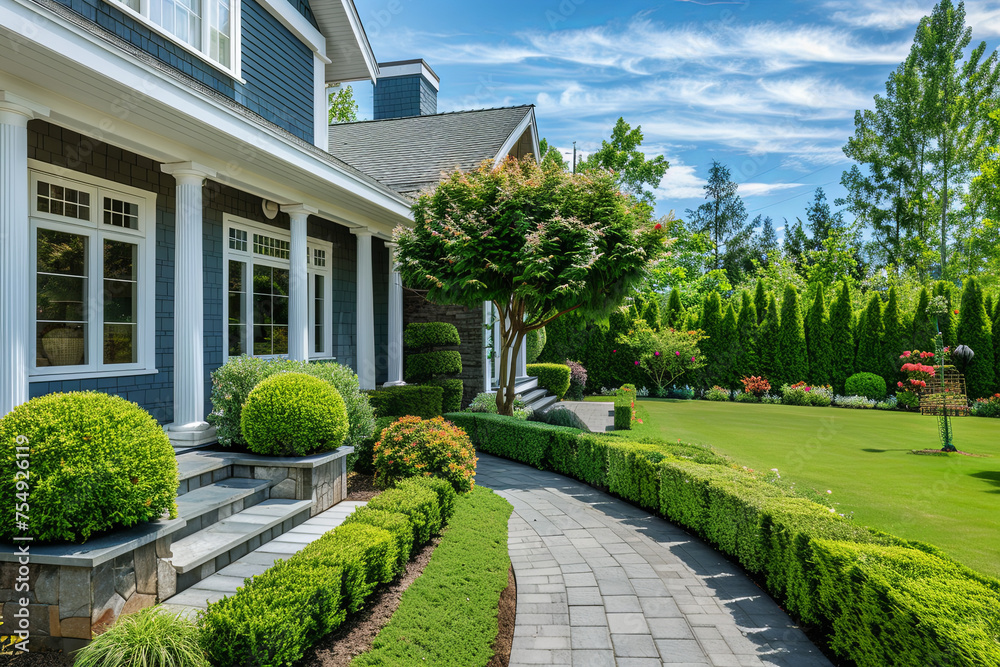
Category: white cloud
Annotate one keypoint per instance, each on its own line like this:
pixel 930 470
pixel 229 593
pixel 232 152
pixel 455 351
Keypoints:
pixel 982 15
pixel 681 182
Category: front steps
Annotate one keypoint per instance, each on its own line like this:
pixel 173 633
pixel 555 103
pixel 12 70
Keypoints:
pixel 538 399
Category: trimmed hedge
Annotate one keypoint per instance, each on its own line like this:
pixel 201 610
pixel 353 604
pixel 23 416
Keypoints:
pixel 419 335
pixel 451 398
pixel 423 401
pixel 448 616
pixel 446 494
pixel 554 377
pixel 868 385
pixel 623 417
pixel 881 600
pixel 422 366
pixel 276 616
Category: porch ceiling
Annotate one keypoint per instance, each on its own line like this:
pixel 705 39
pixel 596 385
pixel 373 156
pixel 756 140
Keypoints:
pixel 102 91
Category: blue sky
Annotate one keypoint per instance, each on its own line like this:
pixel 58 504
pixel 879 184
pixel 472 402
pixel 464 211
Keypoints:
pixel 767 87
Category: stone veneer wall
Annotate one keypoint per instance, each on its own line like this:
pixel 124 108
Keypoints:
pixel 470 329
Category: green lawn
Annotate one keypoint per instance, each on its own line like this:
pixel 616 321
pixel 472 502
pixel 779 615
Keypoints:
pixel 863 457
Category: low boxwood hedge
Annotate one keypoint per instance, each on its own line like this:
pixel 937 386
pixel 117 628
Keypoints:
pixel 880 600
pixel 554 377
pixel 419 401
pixel 276 616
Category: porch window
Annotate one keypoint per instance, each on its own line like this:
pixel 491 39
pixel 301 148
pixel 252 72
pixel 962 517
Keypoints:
pixel 258 267
pixel 209 28
pixel 93 287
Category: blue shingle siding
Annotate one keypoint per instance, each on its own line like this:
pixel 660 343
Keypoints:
pixel 277 67
pixel 403 96
pixel 302 7
pixel 380 284
pixel 344 294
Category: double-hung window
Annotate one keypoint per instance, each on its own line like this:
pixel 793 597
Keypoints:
pixel 258 278
pixel 208 28
pixel 93 290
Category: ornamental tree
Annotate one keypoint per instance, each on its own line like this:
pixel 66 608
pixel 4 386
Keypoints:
pixel 665 355
pixel 535 242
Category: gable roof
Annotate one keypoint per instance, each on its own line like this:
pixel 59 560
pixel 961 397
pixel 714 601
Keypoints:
pixel 409 154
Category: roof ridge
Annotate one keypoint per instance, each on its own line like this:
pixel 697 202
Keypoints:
pixel 433 115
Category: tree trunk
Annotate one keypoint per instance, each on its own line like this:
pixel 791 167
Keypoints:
pixel 504 321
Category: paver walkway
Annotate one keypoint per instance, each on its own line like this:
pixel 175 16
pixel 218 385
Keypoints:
pixel 599 417
pixel 602 583
pixel 228 579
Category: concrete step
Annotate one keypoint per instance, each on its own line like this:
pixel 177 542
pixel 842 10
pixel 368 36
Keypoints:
pixel 521 385
pixel 210 504
pixel 534 395
pixel 201 554
pixel 198 469
pixel 543 404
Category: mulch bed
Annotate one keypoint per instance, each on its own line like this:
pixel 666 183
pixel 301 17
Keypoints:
pixel 361 487
pixel 356 634
pixel 941 452
pixel 36 660
pixel 507 613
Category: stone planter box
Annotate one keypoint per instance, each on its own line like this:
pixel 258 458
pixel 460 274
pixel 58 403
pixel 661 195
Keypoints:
pixel 321 478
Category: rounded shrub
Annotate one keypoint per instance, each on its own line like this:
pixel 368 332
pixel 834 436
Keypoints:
pixel 554 377
pixel 868 385
pixel 412 447
pixel 293 414
pixel 420 335
pixel 86 462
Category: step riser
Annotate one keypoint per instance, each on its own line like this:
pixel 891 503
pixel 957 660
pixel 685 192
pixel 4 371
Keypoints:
pixel 188 579
pixel 204 479
pixel 207 519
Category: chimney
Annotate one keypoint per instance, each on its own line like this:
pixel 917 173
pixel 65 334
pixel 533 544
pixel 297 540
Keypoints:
pixel 405 88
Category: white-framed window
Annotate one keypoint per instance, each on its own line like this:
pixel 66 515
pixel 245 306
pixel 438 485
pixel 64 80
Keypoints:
pixel 93 289
pixel 258 267
pixel 208 28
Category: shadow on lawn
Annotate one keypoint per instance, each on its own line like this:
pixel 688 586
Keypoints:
pixel 992 477
pixel 883 451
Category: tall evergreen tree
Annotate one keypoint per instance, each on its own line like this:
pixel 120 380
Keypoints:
pixel 870 330
pixel 768 348
pixel 793 355
pixel 760 302
pixel 842 338
pixel 676 316
pixel 713 347
pixel 651 313
pixel 723 218
pixel 767 240
pixel 796 244
pixel 922 332
pixel 821 221
pixel 819 340
pixel 749 361
pixel 975 330
pixel 893 341
pixel 996 348
pixel 731 352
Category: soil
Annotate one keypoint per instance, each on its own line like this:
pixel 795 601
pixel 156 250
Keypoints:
pixel 361 487
pixel 51 659
pixel 358 632
pixel 505 635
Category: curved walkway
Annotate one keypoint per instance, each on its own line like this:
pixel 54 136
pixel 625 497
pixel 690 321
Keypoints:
pixel 602 583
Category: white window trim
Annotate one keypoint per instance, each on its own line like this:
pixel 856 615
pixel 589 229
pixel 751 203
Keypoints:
pixel 327 274
pixel 251 259
pixel 235 9
pixel 144 237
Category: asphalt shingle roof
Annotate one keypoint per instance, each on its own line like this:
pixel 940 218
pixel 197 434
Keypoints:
pixel 408 154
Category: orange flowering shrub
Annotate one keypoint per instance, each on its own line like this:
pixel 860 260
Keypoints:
pixel 415 447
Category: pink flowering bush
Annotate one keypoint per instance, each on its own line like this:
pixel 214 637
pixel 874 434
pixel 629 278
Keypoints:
pixel 665 355
pixel 918 372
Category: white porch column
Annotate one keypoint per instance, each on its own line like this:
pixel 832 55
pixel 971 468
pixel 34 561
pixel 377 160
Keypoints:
pixel 15 268
pixel 298 302
pixel 487 338
pixel 366 310
pixel 395 321
pixel 521 369
pixel 189 318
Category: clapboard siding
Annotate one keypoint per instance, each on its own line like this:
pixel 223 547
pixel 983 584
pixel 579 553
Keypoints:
pixel 277 67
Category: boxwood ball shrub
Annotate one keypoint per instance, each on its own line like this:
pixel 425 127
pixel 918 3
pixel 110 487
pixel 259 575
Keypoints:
pixel 868 385
pixel 97 463
pixel 420 335
pixel 554 377
pixel 293 414
pixel 412 447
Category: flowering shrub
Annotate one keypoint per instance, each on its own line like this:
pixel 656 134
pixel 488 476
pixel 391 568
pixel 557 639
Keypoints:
pixel 821 396
pixel 717 393
pixel 770 399
pixel 854 402
pixel 802 394
pixel 745 397
pixel 412 447
pixel 577 380
pixel 665 355
pixel 918 371
pixel 756 385
pixel 986 407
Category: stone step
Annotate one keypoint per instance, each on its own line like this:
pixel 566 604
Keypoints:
pixel 534 395
pixel 543 404
pixel 200 555
pixel 210 504
pixel 198 469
